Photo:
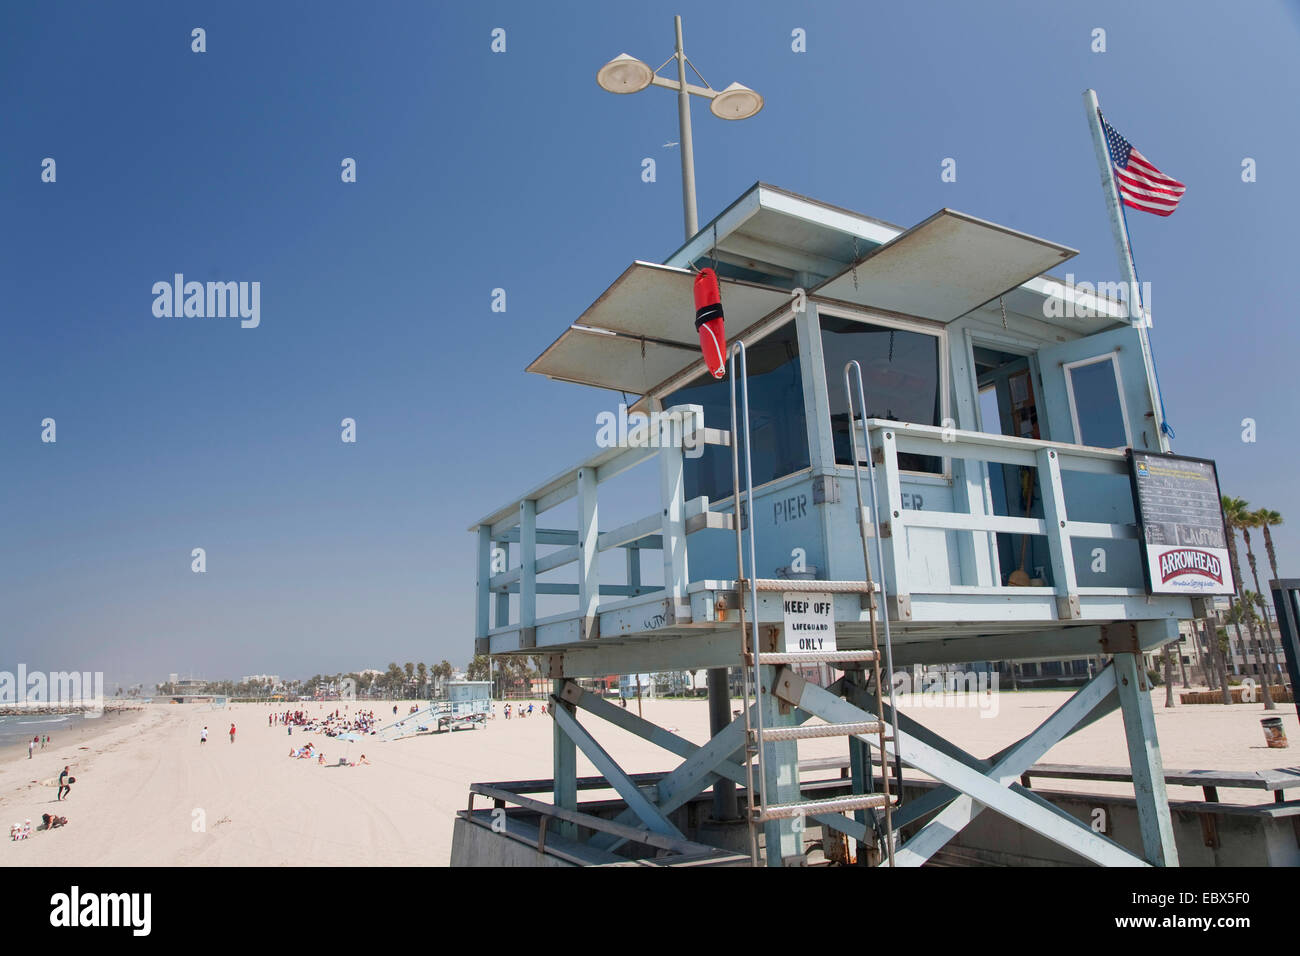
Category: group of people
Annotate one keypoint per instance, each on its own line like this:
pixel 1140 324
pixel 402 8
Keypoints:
pixel 41 739
pixel 296 718
pixel 362 722
pixel 332 724
pixel 23 831
pixel 203 736
pixel 309 750
pixel 522 711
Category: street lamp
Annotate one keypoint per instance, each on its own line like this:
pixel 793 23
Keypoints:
pixel 626 74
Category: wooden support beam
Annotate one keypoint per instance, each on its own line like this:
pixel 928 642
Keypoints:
pixel 650 815
pixel 564 758
pixel 1144 758
pixel 1023 807
pixel 1097 695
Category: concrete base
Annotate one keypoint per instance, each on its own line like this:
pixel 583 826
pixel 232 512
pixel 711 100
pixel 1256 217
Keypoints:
pixel 1206 834
pixel 472 845
pixel 729 835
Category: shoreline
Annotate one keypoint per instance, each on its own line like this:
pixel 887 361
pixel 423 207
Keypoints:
pixel 85 732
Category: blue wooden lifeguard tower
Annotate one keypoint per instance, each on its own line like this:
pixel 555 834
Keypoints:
pixel 993 512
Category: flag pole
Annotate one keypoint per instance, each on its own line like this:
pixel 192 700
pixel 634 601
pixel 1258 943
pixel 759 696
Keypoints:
pixel 1138 313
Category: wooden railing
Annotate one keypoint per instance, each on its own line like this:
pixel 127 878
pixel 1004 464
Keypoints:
pixel 672 432
pixel 889 439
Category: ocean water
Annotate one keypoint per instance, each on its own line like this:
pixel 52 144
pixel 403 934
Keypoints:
pixel 20 729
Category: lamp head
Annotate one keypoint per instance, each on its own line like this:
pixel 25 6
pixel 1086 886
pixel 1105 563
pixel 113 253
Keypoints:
pixel 736 102
pixel 624 74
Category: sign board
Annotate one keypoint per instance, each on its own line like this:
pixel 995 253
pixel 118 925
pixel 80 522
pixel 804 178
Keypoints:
pixel 1180 517
pixel 809 621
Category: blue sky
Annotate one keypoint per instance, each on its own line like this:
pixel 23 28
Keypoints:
pixel 479 170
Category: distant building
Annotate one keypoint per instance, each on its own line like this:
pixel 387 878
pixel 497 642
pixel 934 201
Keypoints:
pixel 272 679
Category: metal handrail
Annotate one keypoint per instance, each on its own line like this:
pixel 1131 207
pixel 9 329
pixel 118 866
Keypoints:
pixel 851 367
pixel 753 743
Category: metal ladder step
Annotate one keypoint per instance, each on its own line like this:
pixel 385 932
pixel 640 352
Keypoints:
pixel 784 811
pixel 822 730
pixel 833 587
pixel 814 657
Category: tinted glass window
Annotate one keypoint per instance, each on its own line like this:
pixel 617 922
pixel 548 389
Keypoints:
pixel 900 380
pixel 1096 403
pixel 776 417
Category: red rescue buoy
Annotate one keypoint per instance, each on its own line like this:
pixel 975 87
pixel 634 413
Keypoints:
pixel 709 322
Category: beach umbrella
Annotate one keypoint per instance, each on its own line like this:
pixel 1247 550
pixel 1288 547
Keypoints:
pixel 349 737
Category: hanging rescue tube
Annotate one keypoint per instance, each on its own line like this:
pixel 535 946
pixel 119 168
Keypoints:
pixel 709 322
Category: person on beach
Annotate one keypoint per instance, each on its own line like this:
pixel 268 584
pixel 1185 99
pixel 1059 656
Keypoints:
pixel 232 733
pixel 363 760
pixel 65 788
pixel 203 738
pixel 30 747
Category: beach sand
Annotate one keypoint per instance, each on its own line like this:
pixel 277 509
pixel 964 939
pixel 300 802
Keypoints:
pixel 148 793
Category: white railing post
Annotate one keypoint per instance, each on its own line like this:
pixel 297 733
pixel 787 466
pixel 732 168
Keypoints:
pixel 672 495
pixel 483 590
pixel 1058 537
pixel 502 616
pixel 895 545
pixel 588 555
pixel 528 573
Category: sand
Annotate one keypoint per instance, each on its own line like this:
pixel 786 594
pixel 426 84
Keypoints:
pixel 149 794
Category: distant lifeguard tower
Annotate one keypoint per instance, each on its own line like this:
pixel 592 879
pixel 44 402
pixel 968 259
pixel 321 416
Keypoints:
pixel 1001 405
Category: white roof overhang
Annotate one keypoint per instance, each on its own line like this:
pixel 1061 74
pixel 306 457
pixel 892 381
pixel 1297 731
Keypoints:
pixel 641 331
pixel 945 267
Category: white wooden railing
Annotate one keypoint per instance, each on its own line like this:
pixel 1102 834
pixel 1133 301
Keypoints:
pixel 889 439
pixel 665 530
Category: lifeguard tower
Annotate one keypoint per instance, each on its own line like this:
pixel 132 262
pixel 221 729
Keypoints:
pixel 977 479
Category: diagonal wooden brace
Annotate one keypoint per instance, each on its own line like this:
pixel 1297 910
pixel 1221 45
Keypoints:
pixel 1096 698
pixel 1018 806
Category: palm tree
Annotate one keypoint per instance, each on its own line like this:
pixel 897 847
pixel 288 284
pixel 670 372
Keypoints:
pixel 422 669
pixel 393 678
pixel 1235 515
pixel 1218 665
pixel 1250 520
pixel 479 667
pixel 1267 519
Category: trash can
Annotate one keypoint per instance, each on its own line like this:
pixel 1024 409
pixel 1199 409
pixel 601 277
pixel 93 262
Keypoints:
pixel 1274 735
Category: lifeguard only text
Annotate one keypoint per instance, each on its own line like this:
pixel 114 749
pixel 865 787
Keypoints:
pixel 809 621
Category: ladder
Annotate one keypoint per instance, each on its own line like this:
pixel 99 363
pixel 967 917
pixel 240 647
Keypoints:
pixel 761 810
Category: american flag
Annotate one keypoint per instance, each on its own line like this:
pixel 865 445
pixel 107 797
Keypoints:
pixel 1140 184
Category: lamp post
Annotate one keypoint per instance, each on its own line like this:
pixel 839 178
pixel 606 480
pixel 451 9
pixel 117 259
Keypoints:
pixel 626 74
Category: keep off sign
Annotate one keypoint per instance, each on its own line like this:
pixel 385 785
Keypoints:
pixel 809 621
